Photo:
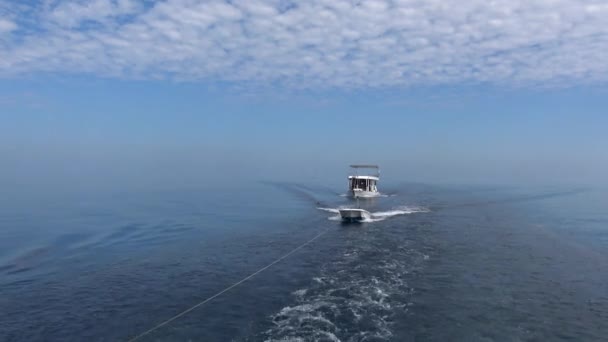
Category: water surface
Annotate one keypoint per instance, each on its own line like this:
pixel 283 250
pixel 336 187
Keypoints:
pixel 446 263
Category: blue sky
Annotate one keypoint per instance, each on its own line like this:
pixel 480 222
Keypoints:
pixel 438 91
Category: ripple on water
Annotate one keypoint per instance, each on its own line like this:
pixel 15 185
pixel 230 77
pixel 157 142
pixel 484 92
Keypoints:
pixel 355 298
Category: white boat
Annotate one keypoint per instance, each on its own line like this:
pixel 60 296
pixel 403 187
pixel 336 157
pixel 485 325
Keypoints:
pixel 364 185
pixel 354 214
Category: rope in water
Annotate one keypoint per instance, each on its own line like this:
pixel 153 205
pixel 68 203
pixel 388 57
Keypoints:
pixel 160 325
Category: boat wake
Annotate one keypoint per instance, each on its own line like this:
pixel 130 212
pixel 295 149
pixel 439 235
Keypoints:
pixel 379 215
pixel 355 297
pixel 380 194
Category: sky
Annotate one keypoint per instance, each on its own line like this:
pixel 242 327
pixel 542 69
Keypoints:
pixel 177 91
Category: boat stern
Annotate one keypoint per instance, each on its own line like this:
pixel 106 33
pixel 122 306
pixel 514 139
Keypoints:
pixel 358 193
pixel 353 215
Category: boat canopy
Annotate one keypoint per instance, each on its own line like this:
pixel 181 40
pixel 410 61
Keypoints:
pixel 364 177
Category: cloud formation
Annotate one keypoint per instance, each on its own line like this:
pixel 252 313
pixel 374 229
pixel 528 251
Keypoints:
pixel 7 26
pixel 311 44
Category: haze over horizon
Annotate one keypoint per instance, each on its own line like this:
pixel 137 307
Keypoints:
pixel 121 91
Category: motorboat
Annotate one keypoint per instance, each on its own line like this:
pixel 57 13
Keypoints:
pixel 363 184
pixel 354 214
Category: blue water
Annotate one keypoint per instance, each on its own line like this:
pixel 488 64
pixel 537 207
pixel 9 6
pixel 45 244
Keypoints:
pixel 442 263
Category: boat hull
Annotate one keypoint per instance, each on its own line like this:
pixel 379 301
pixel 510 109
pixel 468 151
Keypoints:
pixel 354 215
pixel 363 194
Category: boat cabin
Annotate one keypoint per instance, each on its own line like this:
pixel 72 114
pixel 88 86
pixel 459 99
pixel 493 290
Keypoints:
pixel 364 183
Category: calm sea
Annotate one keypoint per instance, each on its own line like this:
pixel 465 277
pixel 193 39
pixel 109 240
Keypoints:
pixel 437 263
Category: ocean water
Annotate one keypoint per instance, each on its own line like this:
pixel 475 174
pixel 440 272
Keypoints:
pixel 435 263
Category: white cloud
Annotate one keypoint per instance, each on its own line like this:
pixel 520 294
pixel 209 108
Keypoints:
pixel 317 43
pixel 7 26
pixel 74 13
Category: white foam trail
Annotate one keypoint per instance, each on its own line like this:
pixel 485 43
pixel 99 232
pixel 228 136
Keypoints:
pixel 379 215
pixel 380 194
pixel 383 215
pixel 400 211
pixel 331 210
